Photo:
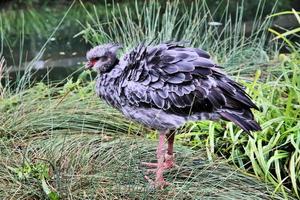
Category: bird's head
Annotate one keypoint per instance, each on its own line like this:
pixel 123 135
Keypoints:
pixel 102 58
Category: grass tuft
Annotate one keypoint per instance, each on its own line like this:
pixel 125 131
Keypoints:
pixel 93 166
pixel 2 63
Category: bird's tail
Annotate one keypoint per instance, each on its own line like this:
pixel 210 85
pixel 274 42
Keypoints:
pixel 243 118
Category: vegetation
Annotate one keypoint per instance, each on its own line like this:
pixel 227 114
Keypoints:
pixel 294 46
pixel 61 142
pixel 54 144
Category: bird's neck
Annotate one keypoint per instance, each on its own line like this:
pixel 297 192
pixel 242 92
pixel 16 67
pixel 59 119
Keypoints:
pixel 107 69
pixel 116 62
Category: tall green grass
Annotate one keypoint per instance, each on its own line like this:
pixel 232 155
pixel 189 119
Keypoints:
pixel 44 18
pixel 193 24
pixel 273 154
pixel 294 46
pixel 1 74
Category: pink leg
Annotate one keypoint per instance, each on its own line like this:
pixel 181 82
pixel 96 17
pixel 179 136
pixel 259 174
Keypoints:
pixel 159 179
pixel 164 161
pixel 169 157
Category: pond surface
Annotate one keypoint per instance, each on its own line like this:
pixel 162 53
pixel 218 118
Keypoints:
pixel 62 56
pixel 22 42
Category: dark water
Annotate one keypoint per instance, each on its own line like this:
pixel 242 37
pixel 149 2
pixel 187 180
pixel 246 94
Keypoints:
pixel 63 53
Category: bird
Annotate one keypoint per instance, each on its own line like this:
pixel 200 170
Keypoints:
pixel 164 86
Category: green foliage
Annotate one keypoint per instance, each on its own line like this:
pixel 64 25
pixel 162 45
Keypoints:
pixel 38 170
pixel 294 32
pixel 43 108
pixel 153 22
pixel 86 165
pixel 39 21
pixel 273 154
pixel 35 171
pixel 2 62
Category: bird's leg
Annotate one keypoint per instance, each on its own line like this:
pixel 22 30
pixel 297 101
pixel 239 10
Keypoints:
pixel 159 181
pixel 169 156
pixel 165 160
pixel 160 152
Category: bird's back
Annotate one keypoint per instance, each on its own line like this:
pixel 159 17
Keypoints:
pixel 166 85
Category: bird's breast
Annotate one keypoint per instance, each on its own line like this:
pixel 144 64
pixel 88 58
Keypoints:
pixel 107 90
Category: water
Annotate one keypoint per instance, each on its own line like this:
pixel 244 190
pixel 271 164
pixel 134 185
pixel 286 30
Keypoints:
pixel 63 54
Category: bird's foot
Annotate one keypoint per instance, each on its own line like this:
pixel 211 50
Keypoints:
pixel 169 162
pixel 158 183
pixel 158 169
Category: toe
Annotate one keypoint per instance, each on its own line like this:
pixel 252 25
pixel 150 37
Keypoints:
pixel 151 165
pixel 161 184
pixel 151 171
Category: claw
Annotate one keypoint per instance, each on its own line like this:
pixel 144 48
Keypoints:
pixel 157 184
pixel 167 164
pixel 158 169
pixel 151 165
pixel 150 171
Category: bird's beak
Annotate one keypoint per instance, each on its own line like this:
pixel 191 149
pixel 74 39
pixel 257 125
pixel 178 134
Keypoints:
pixel 88 65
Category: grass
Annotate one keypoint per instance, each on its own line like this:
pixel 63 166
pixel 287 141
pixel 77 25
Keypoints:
pixel 157 23
pixel 13 20
pixel 294 46
pixel 53 142
pixel 273 154
pixel 93 166
pixel 62 142
pixel 2 61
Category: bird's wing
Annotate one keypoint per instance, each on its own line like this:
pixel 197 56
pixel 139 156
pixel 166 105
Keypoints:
pixel 182 81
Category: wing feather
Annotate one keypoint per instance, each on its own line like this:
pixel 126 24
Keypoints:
pixel 183 81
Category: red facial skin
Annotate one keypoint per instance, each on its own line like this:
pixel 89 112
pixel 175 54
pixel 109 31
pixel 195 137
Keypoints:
pixel 90 64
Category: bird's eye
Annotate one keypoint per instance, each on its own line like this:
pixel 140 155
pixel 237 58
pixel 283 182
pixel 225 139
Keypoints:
pixel 95 59
pixel 104 58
